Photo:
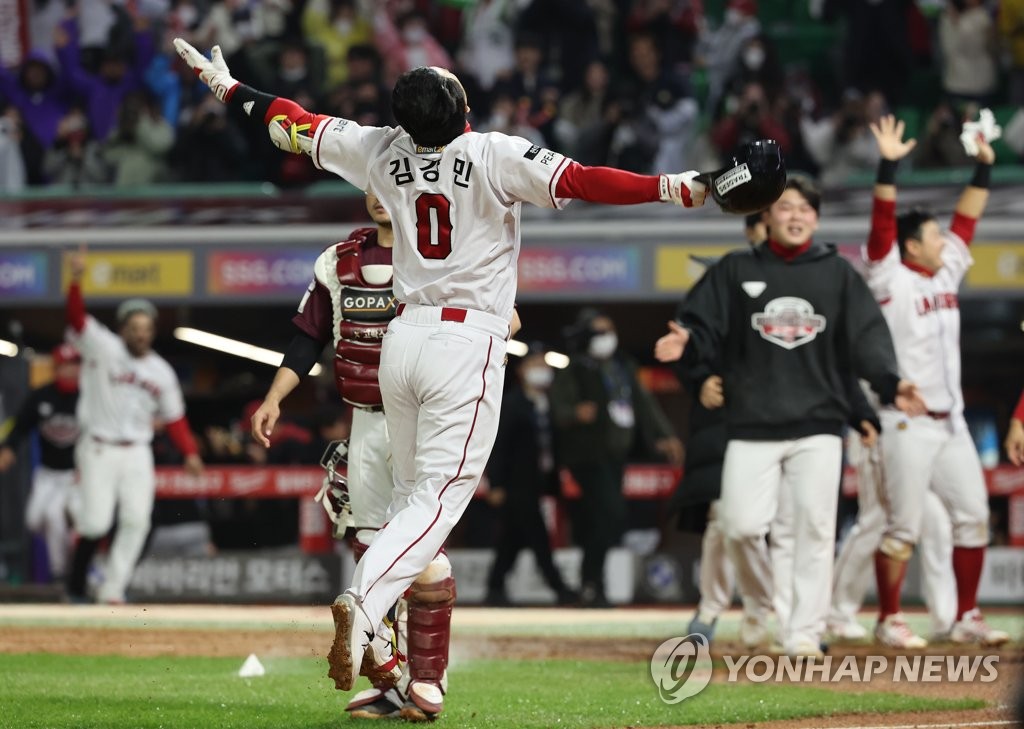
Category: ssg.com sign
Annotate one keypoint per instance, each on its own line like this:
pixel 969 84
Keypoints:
pixel 681 668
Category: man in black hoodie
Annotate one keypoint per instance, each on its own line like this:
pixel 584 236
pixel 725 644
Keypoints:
pixel 787 319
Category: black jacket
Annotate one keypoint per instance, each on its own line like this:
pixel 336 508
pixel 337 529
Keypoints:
pixel 515 463
pixel 787 333
pixel 53 413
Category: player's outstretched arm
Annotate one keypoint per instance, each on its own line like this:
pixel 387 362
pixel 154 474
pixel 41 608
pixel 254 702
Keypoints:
pixel 974 198
pixel 75 302
pixel 611 186
pixel 291 127
pixel 892 148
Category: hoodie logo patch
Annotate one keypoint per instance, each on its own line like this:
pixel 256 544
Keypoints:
pixel 788 322
pixel 247 107
pixel 754 288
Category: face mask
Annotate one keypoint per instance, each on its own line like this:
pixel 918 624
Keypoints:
pixel 753 57
pixel 414 34
pixel 343 27
pixel 293 74
pixel 602 346
pixel 539 377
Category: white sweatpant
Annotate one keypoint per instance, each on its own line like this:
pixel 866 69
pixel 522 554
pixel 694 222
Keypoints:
pixel 717 575
pixel 46 513
pixel 441 383
pixel 919 454
pixel 854 569
pixel 121 476
pixel 797 480
pixel 370 478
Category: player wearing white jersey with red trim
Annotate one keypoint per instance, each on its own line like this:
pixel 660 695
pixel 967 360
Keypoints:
pixel 125 385
pixel 914 269
pixel 454 197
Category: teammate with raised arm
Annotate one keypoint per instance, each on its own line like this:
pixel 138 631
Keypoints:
pixel 454 197
pixel 914 269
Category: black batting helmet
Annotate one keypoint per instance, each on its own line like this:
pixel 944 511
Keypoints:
pixel 753 180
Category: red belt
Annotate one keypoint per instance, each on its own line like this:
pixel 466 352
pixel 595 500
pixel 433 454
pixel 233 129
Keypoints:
pixel 937 416
pixel 448 313
pixel 105 441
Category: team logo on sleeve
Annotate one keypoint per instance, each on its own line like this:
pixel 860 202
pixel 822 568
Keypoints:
pixel 788 322
pixel 532 152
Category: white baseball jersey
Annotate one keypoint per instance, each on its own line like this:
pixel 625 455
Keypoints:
pixel 923 313
pixel 462 201
pixel 122 394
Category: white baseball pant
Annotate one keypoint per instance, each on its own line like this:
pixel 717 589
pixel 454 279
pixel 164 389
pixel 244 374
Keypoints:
pixel 922 453
pixel 46 513
pixel 854 569
pixel 122 476
pixel 717 575
pixel 798 479
pixel 441 381
pixel 370 480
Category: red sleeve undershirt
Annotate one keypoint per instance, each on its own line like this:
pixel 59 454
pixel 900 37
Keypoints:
pixel 1018 414
pixel 963 226
pixel 883 229
pixel 76 307
pixel 607 185
pixel 181 436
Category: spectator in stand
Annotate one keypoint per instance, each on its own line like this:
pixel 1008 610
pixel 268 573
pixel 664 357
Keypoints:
pixel 788 109
pixel 662 98
pixel 568 33
pixel 405 42
pixel 12 163
pixel 75 159
pixel 1011 29
pixel 877 50
pixel 581 112
pixel 510 118
pixel 967 39
pixel 38 93
pixel 719 50
pixel 753 119
pixel 210 148
pixel 1015 435
pixel 843 144
pixel 137 148
pixel 104 91
pixel 488 43
pixel 292 77
pixel 231 24
pixel 337 27
pixel 939 146
pixel 674 24
pixel 531 84
pixel 758 63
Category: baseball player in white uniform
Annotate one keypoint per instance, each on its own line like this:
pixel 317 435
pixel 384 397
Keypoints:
pixel 916 283
pixel 125 385
pixel 855 564
pixel 51 411
pixel 454 197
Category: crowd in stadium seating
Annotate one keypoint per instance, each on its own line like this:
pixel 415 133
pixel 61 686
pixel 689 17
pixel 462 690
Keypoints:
pixel 646 85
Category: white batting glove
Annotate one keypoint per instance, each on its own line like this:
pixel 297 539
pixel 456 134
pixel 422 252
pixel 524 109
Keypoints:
pixel 213 71
pixel 683 189
pixel 985 127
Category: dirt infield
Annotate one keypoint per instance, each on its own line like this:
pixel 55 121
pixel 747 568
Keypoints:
pixel 143 631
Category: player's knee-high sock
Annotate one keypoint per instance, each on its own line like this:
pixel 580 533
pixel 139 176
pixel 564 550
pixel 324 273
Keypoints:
pixel 967 564
pixel 889 574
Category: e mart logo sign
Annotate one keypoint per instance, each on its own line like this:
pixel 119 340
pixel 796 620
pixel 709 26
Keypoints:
pixel 136 273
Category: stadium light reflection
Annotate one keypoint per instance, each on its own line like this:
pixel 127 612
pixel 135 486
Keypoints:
pixel 553 359
pixel 234 347
pixel 8 349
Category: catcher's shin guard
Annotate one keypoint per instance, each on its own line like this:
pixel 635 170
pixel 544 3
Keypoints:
pixel 430 600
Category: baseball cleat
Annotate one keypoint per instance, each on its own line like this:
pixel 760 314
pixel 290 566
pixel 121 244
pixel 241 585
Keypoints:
pixel 345 651
pixel 895 633
pixel 702 626
pixel 375 703
pixel 754 632
pixel 805 648
pixel 972 628
pixel 425 702
pixel 847 629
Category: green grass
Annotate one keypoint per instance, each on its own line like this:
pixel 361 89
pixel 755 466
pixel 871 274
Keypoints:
pixel 58 692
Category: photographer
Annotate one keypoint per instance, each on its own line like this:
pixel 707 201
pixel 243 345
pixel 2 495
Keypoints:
pixel 752 120
pixel 75 157
pixel 842 144
pixel 138 146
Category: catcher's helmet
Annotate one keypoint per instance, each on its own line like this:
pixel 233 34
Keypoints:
pixel 752 182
